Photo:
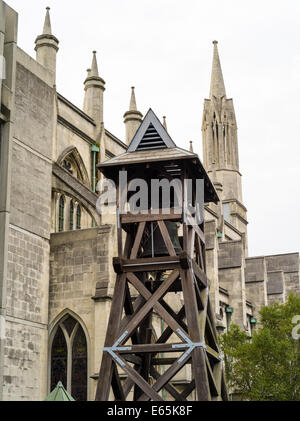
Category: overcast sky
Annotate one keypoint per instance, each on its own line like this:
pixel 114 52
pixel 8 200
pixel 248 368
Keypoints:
pixel 164 48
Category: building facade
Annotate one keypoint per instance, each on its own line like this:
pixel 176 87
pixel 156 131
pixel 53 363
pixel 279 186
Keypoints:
pixel 56 274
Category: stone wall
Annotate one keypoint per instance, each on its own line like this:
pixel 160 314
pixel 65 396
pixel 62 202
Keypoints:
pixel 256 283
pixel 25 352
pixel 232 278
pixel 289 264
pixel 81 281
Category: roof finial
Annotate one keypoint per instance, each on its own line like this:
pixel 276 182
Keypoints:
pixel 217 87
pixel 94 69
pixel 165 123
pixel 47 24
pixel 132 105
pixel 132 118
pixel 191 146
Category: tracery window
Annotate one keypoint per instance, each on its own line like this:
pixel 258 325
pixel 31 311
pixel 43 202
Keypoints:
pixel 69 358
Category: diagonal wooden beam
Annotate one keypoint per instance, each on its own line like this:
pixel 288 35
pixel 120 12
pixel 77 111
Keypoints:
pixel 140 382
pixel 138 239
pixel 191 243
pixel 128 383
pixel 103 387
pixel 211 318
pixel 167 333
pixel 200 250
pixel 192 222
pixel 138 304
pixel 197 335
pixel 152 301
pixel 116 384
pixel 210 334
pixel 200 274
pixel 188 390
pixel 203 314
pixel 224 392
pixel 212 353
pixel 217 373
pixel 127 246
pixel 166 237
pixel 213 387
pixel 173 392
pixel 168 375
pixel 178 317
pixel 129 311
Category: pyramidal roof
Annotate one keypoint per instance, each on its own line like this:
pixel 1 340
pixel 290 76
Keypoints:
pixel 59 394
pixel 151 135
pixel 151 144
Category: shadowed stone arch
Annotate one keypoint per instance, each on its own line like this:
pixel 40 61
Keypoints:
pixel 71 154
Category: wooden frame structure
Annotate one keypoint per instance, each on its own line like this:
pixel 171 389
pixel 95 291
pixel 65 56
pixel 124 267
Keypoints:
pixel 147 287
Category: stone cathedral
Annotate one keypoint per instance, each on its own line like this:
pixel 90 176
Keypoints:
pixel 56 273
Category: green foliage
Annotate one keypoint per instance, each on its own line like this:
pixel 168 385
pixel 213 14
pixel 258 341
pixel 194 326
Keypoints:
pixel 265 367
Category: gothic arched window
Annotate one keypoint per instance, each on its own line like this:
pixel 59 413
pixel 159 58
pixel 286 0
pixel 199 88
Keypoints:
pixel 78 218
pixel 69 358
pixel 59 359
pixel 61 215
pixel 71 216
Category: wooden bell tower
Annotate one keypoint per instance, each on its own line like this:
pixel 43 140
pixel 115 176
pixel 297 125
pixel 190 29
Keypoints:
pixel 160 276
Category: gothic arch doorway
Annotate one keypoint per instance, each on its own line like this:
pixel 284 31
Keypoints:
pixel 69 358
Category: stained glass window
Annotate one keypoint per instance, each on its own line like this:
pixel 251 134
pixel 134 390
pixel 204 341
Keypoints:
pixel 69 358
pixel 59 355
pixel 71 216
pixel 61 214
pixel 78 218
pixel 79 366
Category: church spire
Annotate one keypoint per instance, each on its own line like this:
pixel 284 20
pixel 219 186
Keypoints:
pixel 47 25
pixel 217 86
pixel 46 46
pixel 94 68
pixel 220 148
pixel 132 118
pixel 132 105
pixel 94 87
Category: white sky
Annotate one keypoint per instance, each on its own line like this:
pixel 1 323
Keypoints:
pixel 164 49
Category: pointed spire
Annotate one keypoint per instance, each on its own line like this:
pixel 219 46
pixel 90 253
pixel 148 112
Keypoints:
pixel 94 69
pixel 217 87
pixel 46 46
pixel 47 25
pixel 132 106
pixel 94 87
pixel 165 123
pixel 191 146
pixel 132 118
